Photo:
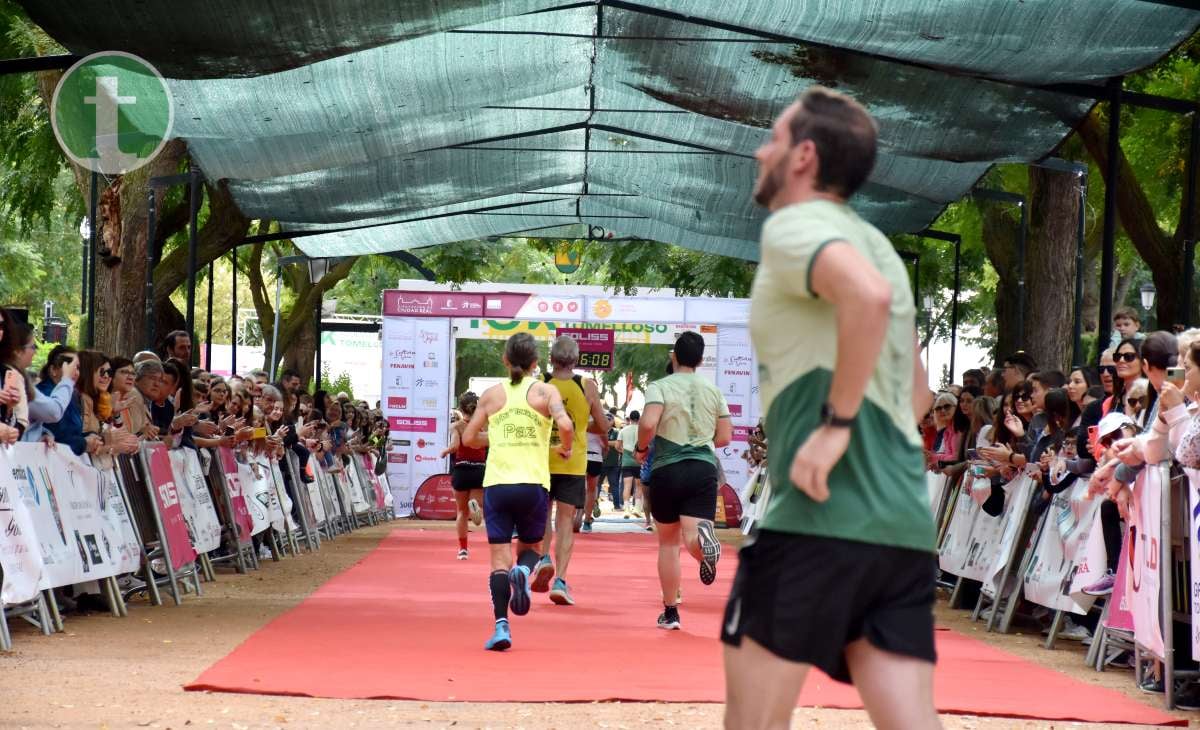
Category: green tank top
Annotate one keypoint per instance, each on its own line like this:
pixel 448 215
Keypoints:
pixel 576 404
pixel 518 441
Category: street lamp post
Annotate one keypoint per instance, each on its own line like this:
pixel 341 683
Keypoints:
pixel 1148 293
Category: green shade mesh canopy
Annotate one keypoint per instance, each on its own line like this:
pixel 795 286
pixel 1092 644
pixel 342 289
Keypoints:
pixel 381 126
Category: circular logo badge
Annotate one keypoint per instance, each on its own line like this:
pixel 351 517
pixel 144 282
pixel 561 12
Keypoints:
pixel 602 309
pixel 112 112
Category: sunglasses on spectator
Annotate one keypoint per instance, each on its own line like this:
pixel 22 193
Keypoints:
pixel 944 407
pixel 106 372
pixel 1110 369
pixel 1024 397
pixel 1125 356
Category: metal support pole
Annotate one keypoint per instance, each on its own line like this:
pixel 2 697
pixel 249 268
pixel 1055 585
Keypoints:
pixel 954 305
pixel 317 321
pixel 208 324
pixel 1077 359
pixel 193 232
pixel 148 311
pixel 1108 257
pixel 233 328
pixel 275 329
pixel 1189 222
pixel 1022 233
pixel 93 205
pixel 83 289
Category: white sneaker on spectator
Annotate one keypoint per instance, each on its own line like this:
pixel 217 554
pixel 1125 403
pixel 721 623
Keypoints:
pixel 1072 631
pixel 129 583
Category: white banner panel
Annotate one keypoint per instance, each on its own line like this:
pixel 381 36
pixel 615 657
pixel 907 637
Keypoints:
pixel 735 368
pixel 127 549
pixel 63 498
pixel 1193 476
pixel 252 487
pixel 20 554
pixel 1060 547
pixel 636 309
pixel 956 544
pixel 195 500
pixel 718 311
pixel 1144 552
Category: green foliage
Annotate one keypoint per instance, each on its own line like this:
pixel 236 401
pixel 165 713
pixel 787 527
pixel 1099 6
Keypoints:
pixel 643 363
pixel 476 359
pixel 333 386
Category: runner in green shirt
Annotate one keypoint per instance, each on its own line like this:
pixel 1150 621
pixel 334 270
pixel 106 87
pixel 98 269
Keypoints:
pixel 686 416
pixel 841 574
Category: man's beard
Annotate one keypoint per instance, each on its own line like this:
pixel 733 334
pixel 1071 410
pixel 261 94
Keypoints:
pixel 770 187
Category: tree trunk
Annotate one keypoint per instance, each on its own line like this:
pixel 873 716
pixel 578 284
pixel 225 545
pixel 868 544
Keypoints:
pixel 1000 233
pixel 1050 267
pixel 301 356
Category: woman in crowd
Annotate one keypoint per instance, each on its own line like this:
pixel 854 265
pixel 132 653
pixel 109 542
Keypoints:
pixel 467 475
pixel 17 349
pixel 1188 450
pixel 14 404
pixel 1010 449
pixel 966 402
pixel 95 402
pixel 1128 362
pixel 983 413
pixel 947 448
pixel 68 430
pixel 218 398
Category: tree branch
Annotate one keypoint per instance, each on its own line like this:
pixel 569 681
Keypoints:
pixel 224 229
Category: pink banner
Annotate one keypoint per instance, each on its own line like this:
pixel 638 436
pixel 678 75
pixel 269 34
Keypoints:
pixel 166 495
pixel 1119 615
pixel 237 497
pixel 431 304
pixel 741 433
pixel 412 424
pixel 369 467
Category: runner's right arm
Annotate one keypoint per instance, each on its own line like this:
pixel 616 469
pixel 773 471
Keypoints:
pixel 922 398
pixel 455 441
pixel 566 429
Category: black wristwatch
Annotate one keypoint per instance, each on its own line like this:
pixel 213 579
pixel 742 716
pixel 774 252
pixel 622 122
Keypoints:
pixel 830 419
pixel 639 450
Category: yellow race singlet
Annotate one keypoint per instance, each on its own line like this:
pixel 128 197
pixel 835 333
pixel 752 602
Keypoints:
pixel 575 401
pixel 518 440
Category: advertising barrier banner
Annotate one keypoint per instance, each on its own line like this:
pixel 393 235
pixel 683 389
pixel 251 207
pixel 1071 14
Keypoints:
pixel 127 547
pixel 1144 553
pixel 20 552
pixel 956 545
pixel 196 500
pixel 166 496
pixel 1061 547
pixel 1193 488
pixel 237 494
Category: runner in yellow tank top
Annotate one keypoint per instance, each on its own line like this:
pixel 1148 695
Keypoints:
pixel 568 477
pixel 516 417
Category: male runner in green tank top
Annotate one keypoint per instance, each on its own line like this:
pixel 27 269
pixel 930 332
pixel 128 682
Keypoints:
pixel 568 477
pixel 840 574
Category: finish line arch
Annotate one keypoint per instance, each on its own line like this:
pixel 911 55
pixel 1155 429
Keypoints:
pixel 422 325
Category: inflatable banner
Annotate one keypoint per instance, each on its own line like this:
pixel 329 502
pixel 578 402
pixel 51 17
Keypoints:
pixel 435 499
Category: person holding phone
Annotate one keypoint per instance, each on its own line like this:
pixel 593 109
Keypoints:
pixel 14 403
pixel 1188 449
pixel 17 349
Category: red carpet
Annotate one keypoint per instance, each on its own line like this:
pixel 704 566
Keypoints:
pixel 409 622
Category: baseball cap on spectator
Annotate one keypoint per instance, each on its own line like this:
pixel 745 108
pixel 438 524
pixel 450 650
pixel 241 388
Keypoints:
pixel 1113 423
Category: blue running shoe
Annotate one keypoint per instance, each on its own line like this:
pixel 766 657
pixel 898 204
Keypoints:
pixel 522 597
pixel 500 640
pixel 543 572
pixel 559 593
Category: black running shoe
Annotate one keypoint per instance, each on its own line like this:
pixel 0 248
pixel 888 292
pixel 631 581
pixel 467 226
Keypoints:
pixel 669 618
pixel 711 547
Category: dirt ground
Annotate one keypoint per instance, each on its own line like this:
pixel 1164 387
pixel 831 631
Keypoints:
pixel 129 672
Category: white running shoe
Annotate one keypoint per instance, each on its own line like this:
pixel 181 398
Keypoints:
pixel 475 512
pixel 462 553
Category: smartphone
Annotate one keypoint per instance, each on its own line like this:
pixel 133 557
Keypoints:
pixel 972 455
pixel 260 433
pixel 1176 375
pixel 13 379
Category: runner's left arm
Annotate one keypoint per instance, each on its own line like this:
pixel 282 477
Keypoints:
pixel 475 434
pixel 599 423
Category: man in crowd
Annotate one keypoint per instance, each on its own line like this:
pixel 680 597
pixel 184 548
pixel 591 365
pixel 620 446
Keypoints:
pixel 686 416
pixel 841 573
pixel 568 476
pixel 630 470
pixel 1017 368
pixel 612 461
pixel 973 378
pixel 178 344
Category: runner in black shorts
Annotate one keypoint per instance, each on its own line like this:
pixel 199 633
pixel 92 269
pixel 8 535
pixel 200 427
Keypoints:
pixel 685 415
pixel 466 476
pixel 517 476
pixel 841 572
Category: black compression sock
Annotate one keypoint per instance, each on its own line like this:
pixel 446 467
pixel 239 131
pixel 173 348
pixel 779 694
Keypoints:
pixel 501 592
pixel 529 558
